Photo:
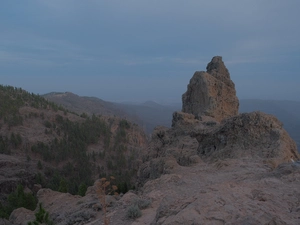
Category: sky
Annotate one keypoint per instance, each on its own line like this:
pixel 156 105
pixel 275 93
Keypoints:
pixel 139 50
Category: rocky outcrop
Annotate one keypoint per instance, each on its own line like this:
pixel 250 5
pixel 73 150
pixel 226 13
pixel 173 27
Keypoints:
pixel 211 93
pixel 255 135
pixel 224 179
pixel 168 149
pixel 173 147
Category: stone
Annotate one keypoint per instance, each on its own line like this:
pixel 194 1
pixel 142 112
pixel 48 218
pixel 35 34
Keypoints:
pixel 211 93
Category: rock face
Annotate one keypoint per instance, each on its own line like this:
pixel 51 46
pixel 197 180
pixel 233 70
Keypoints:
pixel 211 93
pixel 255 135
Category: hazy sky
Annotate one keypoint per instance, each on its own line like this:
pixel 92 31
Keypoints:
pixel 137 50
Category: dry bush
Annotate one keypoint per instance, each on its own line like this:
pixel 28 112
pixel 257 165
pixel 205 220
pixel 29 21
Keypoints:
pixel 105 187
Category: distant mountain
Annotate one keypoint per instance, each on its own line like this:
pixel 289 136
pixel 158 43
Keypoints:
pixel 88 105
pixel 151 114
pixel 152 104
pixel 148 114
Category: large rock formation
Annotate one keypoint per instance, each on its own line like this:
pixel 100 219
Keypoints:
pixel 211 93
pixel 210 129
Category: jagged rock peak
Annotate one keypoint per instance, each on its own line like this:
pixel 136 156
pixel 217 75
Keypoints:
pixel 211 93
pixel 217 65
pixel 217 68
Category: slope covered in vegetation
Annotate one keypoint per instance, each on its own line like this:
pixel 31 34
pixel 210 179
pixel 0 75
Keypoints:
pixel 64 151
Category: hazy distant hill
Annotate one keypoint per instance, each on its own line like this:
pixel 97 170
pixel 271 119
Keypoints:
pixel 87 105
pixel 151 113
pixel 148 115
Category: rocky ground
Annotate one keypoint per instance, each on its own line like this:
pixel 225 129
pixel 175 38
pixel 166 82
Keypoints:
pixel 226 192
pixel 231 191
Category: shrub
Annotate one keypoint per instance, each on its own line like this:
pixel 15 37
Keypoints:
pixel 133 212
pixel 142 203
pixel 82 189
pixel 41 217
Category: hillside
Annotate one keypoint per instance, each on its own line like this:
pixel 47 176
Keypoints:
pixel 88 105
pixel 46 144
pixel 147 115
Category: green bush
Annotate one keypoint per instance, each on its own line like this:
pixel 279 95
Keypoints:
pixel 16 200
pixel 41 217
pixel 124 124
pixel 19 199
pixel 82 189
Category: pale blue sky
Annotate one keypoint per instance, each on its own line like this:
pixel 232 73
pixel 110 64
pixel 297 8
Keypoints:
pixel 137 50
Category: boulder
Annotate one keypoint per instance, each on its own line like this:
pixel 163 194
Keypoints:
pixel 21 216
